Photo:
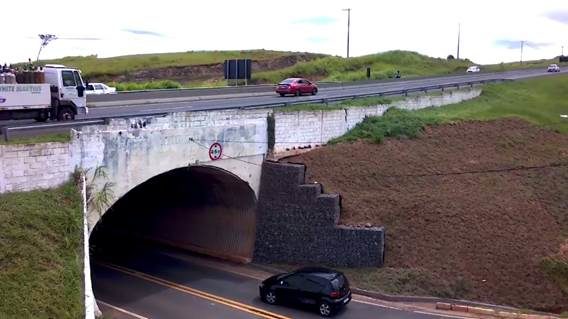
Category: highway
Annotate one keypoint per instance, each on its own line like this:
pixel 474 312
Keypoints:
pixel 265 88
pixel 158 283
pixel 241 100
pixel 165 101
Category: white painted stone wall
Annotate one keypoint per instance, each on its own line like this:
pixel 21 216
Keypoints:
pixel 136 149
pixel 28 167
pixel 139 148
pixel 311 128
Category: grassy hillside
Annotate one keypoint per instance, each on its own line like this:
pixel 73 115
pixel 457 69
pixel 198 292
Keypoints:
pixel 148 71
pixel 539 101
pixel 518 65
pixel 41 254
pixel 443 184
pixel 383 65
pixel 94 66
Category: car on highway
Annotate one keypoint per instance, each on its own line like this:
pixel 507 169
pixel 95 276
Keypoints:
pixel 553 68
pixel 324 289
pixel 99 88
pixel 473 69
pixel 296 86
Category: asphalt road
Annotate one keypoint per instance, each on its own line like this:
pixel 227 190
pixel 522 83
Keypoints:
pixel 146 102
pixel 164 284
pixel 252 89
pixel 328 93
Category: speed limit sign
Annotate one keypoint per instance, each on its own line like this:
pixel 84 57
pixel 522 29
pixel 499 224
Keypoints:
pixel 215 151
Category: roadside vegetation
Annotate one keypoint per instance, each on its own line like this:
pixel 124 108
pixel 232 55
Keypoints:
pixel 383 66
pixel 539 101
pixel 396 281
pixel 556 267
pixel 41 254
pixel 143 71
pixel 500 67
pixel 44 138
pixel 92 66
pixel 152 85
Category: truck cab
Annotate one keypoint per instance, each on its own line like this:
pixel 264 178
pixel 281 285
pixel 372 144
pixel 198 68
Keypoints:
pixel 67 92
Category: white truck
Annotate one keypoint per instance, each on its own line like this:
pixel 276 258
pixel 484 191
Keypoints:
pixel 61 97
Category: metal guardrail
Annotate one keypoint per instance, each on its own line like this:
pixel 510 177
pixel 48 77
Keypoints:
pixel 363 95
pixel 6 130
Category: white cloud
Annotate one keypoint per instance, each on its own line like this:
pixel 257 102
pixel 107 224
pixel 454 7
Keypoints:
pixel 428 27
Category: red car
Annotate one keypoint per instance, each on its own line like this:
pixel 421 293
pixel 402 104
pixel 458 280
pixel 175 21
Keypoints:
pixel 296 86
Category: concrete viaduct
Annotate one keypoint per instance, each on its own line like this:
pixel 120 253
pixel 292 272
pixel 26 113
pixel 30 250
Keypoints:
pixel 174 184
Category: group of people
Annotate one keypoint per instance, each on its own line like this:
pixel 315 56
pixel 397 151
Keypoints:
pixel 7 74
pixel 24 73
pixel 30 66
pixel 6 68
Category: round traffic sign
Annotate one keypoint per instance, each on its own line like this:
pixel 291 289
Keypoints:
pixel 215 151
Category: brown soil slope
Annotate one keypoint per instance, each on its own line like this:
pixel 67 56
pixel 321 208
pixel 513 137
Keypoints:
pixel 206 71
pixel 480 201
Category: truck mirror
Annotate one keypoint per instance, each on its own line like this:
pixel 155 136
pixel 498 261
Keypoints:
pixel 80 90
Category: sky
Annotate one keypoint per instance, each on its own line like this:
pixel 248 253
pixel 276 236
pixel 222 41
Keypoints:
pixel 491 30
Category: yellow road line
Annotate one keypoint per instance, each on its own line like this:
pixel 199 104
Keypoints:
pixel 202 294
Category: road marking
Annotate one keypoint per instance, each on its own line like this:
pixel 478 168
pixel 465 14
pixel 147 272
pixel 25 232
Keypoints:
pixel 440 315
pixel 410 310
pixel 188 107
pixel 122 310
pixel 198 293
pixel 236 272
pixel 376 305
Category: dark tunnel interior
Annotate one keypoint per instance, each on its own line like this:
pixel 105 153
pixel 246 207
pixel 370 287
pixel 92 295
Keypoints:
pixel 201 209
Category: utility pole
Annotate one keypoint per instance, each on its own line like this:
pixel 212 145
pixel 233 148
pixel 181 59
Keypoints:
pixel 459 31
pixel 348 26
pixel 562 51
pixel 522 44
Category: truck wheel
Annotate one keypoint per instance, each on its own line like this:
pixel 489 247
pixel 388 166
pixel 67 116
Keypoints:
pixel 65 114
pixel 42 117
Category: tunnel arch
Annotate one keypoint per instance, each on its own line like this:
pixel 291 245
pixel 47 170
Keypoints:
pixel 204 209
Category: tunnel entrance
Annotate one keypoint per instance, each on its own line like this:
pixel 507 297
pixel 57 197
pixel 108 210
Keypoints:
pixel 202 209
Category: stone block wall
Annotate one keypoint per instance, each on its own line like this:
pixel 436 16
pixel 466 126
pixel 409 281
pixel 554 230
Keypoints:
pixel 243 133
pixel 304 129
pixel 34 166
pixel 298 223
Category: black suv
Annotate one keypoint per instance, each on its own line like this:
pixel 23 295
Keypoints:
pixel 326 289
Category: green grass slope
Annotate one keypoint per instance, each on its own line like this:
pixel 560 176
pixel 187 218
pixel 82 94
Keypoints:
pixel 540 101
pixel 41 254
pixel 94 66
pixel 327 68
pixel 383 65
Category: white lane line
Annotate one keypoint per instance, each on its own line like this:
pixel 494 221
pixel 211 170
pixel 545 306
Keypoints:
pixel 440 315
pixel 169 109
pixel 377 305
pixel 122 310
pixel 409 310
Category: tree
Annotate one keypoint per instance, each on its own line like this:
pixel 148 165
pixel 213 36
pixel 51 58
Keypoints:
pixel 450 57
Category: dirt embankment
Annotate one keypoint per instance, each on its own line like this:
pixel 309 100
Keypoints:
pixel 480 203
pixel 204 71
